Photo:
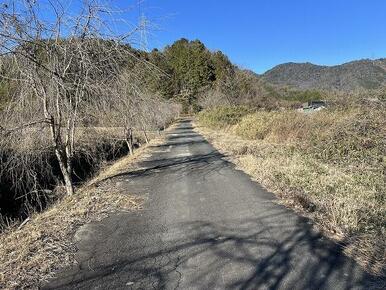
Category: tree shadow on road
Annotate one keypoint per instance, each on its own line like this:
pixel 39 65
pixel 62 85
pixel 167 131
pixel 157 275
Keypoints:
pixel 232 254
pixel 162 160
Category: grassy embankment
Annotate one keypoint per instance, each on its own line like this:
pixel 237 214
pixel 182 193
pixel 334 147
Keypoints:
pixel 30 255
pixel 330 164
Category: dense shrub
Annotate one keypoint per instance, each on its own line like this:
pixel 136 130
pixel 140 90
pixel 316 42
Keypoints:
pixel 223 116
pixel 255 126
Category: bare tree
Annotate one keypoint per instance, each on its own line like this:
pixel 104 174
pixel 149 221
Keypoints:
pixel 132 107
pixel 63 62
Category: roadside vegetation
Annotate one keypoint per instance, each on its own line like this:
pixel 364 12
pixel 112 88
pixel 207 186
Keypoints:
pixel 330 164
pixel 31 253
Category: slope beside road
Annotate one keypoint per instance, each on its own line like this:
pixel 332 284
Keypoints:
pixel 205 225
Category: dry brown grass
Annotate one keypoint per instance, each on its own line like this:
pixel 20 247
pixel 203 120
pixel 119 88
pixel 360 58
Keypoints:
pixel 305 161
pixel 30 255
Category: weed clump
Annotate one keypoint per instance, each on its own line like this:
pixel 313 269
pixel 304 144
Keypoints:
pixel 221 117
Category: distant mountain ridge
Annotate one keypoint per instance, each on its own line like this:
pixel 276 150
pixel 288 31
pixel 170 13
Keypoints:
pixel 354 75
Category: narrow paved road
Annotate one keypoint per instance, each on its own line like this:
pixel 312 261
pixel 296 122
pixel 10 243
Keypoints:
pixel 205 225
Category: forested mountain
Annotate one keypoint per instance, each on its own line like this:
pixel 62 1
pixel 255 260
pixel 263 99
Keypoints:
pixel 361 74
pixel 198 77
pixel 189 73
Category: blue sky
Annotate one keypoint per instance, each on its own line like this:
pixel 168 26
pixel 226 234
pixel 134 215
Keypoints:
pixel 259 34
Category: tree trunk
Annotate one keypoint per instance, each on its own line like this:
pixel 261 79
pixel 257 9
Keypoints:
pixel 129 140
pixel 66 169
pixel 64 162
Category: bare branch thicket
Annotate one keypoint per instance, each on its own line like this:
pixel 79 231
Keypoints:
pixel 63 63
pixel 69 67
pixel 131 106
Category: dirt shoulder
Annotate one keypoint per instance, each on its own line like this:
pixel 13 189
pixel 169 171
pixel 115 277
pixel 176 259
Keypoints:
pixel 29 255
pixel 299 181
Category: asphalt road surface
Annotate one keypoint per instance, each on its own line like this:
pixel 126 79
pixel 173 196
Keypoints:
pixel 205 225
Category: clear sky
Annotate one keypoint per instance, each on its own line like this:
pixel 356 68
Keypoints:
pixel 259 34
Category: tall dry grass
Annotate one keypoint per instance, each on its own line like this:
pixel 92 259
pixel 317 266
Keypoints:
pixel 330 163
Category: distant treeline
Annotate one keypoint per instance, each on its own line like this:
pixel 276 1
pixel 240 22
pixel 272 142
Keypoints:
pixel 192 75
